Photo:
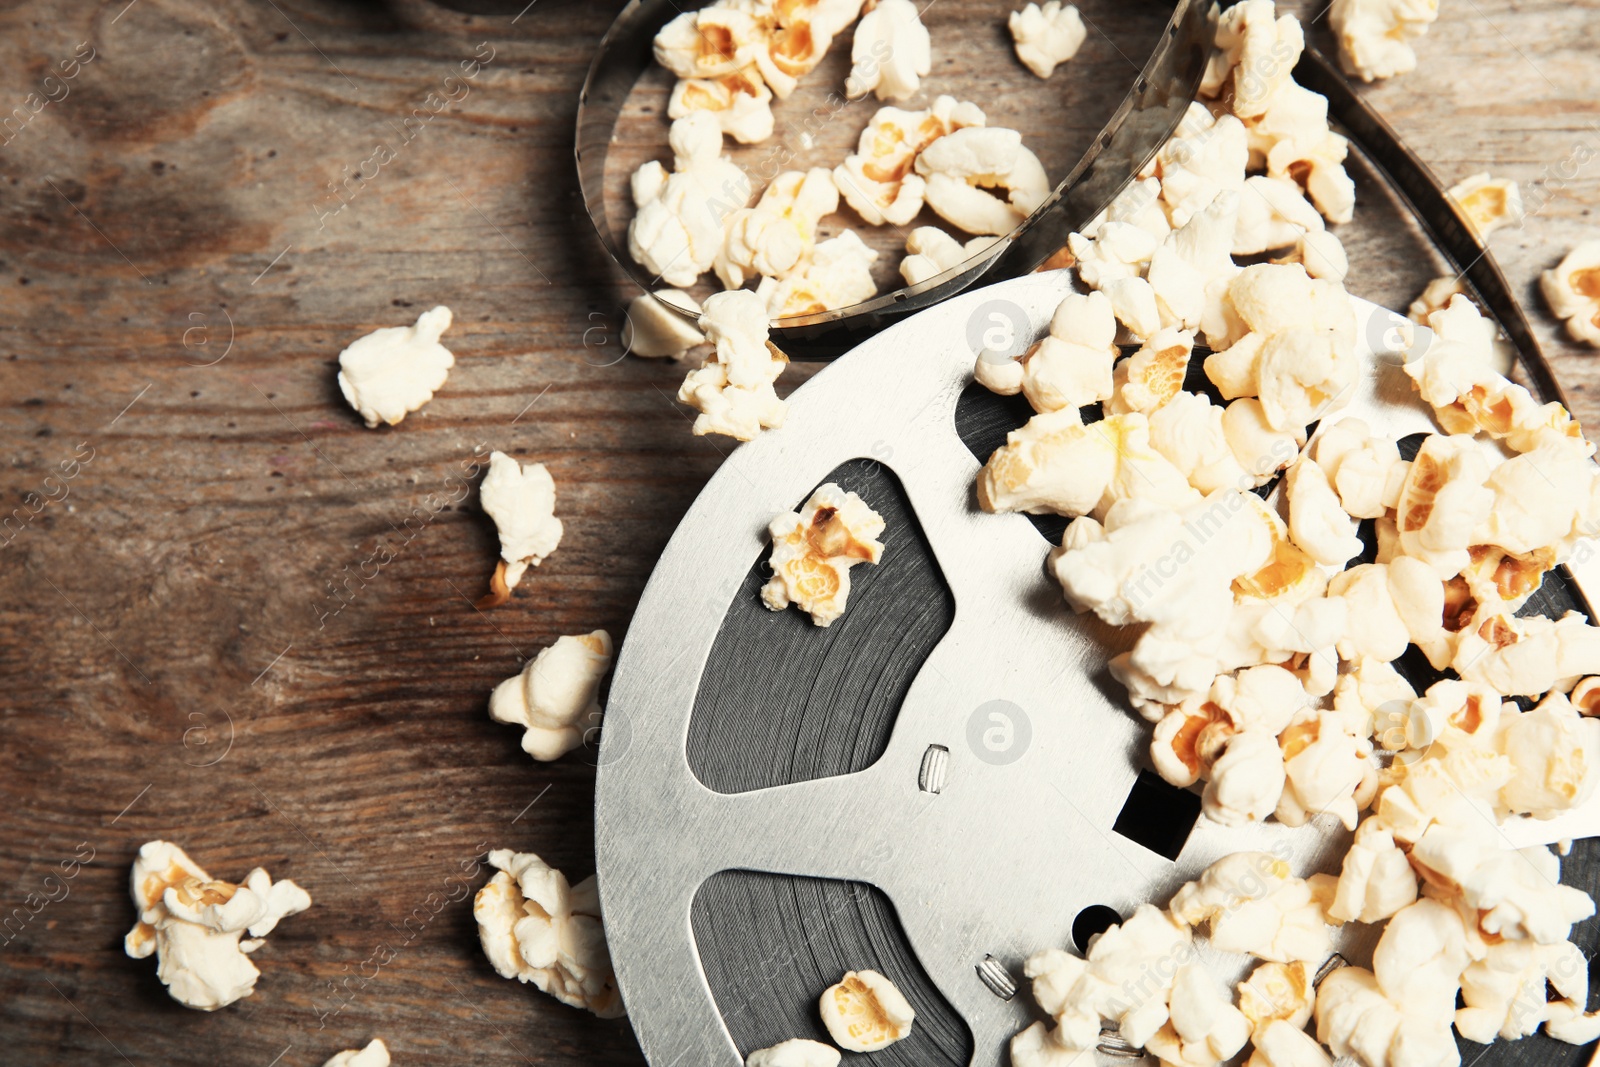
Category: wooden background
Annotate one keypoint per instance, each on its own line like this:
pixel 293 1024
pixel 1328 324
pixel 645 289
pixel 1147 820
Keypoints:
pixel 174 662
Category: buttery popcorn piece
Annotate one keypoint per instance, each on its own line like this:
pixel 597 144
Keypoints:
pixel 676 231
pixel 879 180
pixel 1277 992
pixel 813 550
pixel 1153 375
pixel 394 371
pixel 719 40
pixel 962 167
pixel 554 697
pixel 1327 769
pixel 1057 465
pixel 891 53
pixel 196 925
pixel 733 389
pixel 521 499
pixel 741 102
pixel 837 274
pixel 652 329
pixel 1572 289
pixel 375 1054
pixel 1488 204
pixel 801 33
pixel 776 236
pixel 536 928
pixel 796 1052
pixel 1375 35
pixel 1254 905
pixel 1045 37
pixel 864 1012
pixel 1442 502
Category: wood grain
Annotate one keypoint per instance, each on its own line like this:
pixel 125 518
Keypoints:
pixel 174 289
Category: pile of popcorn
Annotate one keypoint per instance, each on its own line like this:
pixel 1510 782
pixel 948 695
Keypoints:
pixel 1267 631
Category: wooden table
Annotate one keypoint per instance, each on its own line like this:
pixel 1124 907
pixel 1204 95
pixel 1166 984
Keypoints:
pixel 196 644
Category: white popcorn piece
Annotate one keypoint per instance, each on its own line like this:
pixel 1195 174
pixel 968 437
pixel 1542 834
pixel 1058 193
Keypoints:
pixel 741 102
pixel 536 928
pixel 1547 498
pixel 1317 522
pixel 1488 204
pixel 1057 465
pixel 1420 957
pixel 796 1052
pixel 1170 567
pixel 879 180
pixel 1526 657
pixel 1554 752
pixel 652 329
pixel 1259 449
pixel 1203 1028
pixel 1505 990
pixel 1375 35
pixel 1355 1019
pixel 1246 782
pixel 196 925
pixel 1253 57
pixel 374 1054
pixel 1195 168
pixel 837 274
pixel 1126 978
pixel 775 236
pixel 1254 905
pixel 1366 470
pixel 1133 301
pixel 392 372
pixel 1263 699
pixel 813 550
pixel 1039 1046
pixel 930 252
pixel 676 231
pixel 962 167
pixel 1191 269
pixel 1277 993
pixel 1572 289
pixel 1045 37
pixel 1327 769
pixel 1585 696
pixel 1072 366
pixel 891 53
pixel 1322 254
pixel 1291 139
pixel 1376 880
pixel 733 389
pixel 1299 354
pixel 864 1012
pixel 1273 214
pixel 554 697
pixel 521 499
pixel 1188 431
pixel 1499 893
pixel 1376 628
pixel 1280 1044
